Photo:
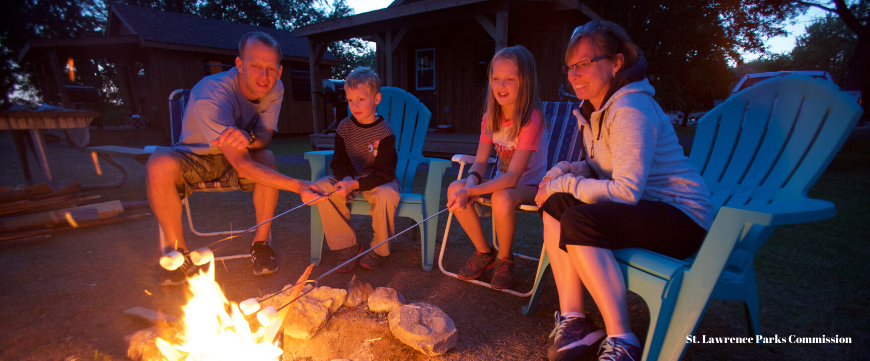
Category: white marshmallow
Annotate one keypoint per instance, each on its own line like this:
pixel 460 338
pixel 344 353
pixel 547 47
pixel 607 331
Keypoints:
pixel 249 306
pixel 172 260
pixel 267 316
pixel 201 256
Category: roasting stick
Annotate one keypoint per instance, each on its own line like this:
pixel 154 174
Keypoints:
pixel 264 222
pixel 252 305
pixel 174 259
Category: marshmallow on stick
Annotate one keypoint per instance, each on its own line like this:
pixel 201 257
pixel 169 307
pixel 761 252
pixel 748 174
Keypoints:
pixel 172 260
pixel 249 306
pixel 201 256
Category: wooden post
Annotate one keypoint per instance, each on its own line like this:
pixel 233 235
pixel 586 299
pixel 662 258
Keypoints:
pixel 392 43
pixel 501 26
pixel 315 53
pixel 58 78
pixel 124 86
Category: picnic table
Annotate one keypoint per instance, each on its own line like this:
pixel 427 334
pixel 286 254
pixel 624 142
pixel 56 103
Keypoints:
pixel 35 121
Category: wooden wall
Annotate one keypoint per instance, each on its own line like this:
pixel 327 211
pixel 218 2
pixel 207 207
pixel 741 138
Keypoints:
pixel 461 45
pixel 168 70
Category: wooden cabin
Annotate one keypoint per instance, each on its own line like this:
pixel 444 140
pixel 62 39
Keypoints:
pixel 156 52
pixel 440 50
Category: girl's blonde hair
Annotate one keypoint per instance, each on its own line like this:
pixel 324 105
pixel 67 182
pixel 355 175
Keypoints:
pixel 528 99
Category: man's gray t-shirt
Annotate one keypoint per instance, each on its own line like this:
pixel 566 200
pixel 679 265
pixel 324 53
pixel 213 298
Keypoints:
pixel 216 102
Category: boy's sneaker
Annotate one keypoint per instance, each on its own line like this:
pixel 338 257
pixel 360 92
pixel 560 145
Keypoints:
pixel 503 277
pixel 346 254
pixel 371 261
pixel 179 275
pixel 263 258
pixel 573 337
pixel 615 349
pixel 476 265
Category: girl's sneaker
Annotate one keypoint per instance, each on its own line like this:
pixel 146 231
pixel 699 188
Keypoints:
pixel 574 336
pixel 615 349
pixel 476 265
pixel 503 276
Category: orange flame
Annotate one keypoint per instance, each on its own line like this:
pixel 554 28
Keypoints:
pixel 212 333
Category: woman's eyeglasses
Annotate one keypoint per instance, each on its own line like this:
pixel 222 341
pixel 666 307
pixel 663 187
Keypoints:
pixel 582 64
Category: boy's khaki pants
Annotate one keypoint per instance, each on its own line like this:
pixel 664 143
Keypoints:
pixel 335 215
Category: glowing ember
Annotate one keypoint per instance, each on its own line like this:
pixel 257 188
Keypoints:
pixel 211 333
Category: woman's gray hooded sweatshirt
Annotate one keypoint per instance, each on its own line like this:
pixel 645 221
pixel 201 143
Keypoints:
pixel 637 156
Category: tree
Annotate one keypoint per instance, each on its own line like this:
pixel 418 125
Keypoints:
pixel 827 45
pixel 857 19
pixel 688 43
pixel 22 20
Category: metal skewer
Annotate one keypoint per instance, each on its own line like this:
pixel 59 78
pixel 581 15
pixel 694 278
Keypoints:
pixel 264 222
pixel 316 280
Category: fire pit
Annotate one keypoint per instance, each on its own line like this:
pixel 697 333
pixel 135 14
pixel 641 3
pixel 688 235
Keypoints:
pixel 214 328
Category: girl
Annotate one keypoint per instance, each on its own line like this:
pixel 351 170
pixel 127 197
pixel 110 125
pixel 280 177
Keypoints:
pixel 513 122
pixel 635 188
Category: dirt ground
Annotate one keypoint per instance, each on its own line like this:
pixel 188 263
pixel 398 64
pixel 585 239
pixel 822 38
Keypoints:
pixel 64 299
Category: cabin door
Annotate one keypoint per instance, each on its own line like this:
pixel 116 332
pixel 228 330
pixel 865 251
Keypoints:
pixel 424 81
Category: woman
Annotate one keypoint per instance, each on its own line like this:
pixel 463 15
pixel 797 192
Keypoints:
pixel 632 187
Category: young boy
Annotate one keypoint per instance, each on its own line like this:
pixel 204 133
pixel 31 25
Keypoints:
pixel 365 161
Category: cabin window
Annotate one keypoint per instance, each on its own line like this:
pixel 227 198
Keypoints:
pixel 425 72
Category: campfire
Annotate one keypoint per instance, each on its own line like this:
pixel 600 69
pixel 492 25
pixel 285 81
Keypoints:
pixel 216 329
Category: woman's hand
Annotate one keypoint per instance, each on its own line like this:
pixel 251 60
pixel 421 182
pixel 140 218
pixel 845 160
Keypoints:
pixel 544 182
pixel 543 189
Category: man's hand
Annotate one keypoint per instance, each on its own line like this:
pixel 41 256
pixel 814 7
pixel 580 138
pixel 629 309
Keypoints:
pixel 310 191
pixel 346 186
pixel 234 137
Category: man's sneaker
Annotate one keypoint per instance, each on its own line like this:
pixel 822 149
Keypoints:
pixel 346 254
pixel 476 265
pixel 503 277
pixel 371 261
pixel 616 349
pixel 179 275
pixel 573 337
pixel 263 258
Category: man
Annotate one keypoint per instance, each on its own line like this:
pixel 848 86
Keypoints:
pixel 227 126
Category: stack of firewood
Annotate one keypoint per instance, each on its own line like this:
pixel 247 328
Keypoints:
pixel 33 213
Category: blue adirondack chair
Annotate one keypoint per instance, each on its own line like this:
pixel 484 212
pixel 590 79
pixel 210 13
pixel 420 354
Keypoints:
pixel 759 153
pixel 409 119
pixel 561 146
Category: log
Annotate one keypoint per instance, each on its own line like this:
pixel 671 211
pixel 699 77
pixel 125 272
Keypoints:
pixel 47 204
pixel 46 219
pixel 105 209
pixel 151 316
pixel 26 193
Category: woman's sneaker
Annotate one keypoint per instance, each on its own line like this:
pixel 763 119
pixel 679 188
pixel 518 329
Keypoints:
pixel 616 349
pixel 476 265
pixel 574 336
